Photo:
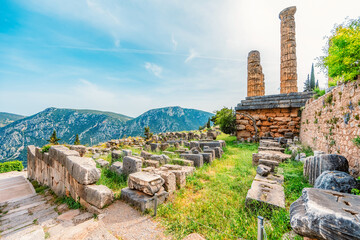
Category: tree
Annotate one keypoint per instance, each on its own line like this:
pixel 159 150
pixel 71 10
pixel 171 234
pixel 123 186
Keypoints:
pixel 53 139
pixel 147 133
pixel 226 119
pixel 208 125
pixel 312 78
pixel 77 140
pixel 317 84
pixel 342 60
pixel 307 87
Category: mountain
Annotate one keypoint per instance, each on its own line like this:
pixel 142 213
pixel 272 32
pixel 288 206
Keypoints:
pixel 92 126
pixel 169 119
pixel 7 118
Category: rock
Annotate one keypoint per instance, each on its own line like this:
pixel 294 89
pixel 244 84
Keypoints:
pixel 315 165
pixel 145 182
pixel 208 157
pixel 180 178
pixel 98 195
pixel 141 200
pixel 170 181
pixel 116 154
pixel 154 147
pixel 127 152
pixel 336 181
pixel 83 170
pixel 196 158
pixel 79 148
pixel 131 164
pixel 145 155
pixel 166 158
pixel 188 170
pixel 210 150
pixel 325 214
pixel 162 159
pixel 96 155
pixel 82 217
pixel 152 163
pixel 263 170
pixel 102 163
pixel 117 167
pixel 269 163
pixel 164 146
pixel 270 155
pixel 182 162
pixel 218 152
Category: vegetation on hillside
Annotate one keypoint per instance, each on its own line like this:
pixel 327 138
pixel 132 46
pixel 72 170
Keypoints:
pixel 343 52
pixel 226 119
pixel 213 201
pixel 53 138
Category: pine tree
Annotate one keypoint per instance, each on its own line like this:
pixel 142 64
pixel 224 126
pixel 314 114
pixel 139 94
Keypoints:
pixel 77 140
pixel 53 139
pixel 147 133
pixel 208 123
pixel 307 87
pixel 317 84
pixel 312 78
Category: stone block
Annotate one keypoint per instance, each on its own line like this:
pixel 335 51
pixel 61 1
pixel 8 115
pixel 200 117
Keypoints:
pixel 141 200
pixel 162 159
pixel 263 170
pixel 194 144
pixel 270 155
pixel 218 152
pixel 79 148
pixel 188 170
pixel 183 162
pixel 117 167
pixel 180 176
pixel 152 163
pixel 145 155
pixel 207 157
pixel 154 147
pixel 325 214
pixel 269 163
pixel 196 158
pixel 336 181
pixel 98 195
pixel 102 163
pixel 164 146
pixel 170 181
pixel 145 182
pixel 127 152
pixel 117 154
pixel 131 164
pixel 82 169
pixel 210 150
pixel 269 194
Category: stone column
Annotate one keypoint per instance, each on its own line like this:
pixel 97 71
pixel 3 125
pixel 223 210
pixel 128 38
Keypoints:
pixel 288 67
pixel 255 82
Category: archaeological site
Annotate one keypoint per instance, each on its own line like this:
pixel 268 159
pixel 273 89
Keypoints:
pixel 277 166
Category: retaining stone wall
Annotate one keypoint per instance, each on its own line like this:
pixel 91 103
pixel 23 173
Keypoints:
pixel 331 122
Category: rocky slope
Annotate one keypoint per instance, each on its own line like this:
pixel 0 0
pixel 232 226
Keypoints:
pixel 7 118
pixel 92 126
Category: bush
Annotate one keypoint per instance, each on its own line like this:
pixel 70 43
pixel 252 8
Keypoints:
pixel 343 52
pixel 11 166
pixel 318 93
pixel 226 119
pixel 45 148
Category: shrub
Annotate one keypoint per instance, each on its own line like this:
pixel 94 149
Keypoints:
pixel 45 148
pixel 226 119
pixel 318 93
pixel 11 166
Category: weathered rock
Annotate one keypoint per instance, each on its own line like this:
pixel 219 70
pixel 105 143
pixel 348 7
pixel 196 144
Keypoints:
pixel 95 156
pixel 98 195
pixel 116 154
pixel 269 163
pixel 188 170
pixel 315 165
pixel 131 164
pixel 127 152
pixel 117 167
pixel 162 159
pixel 170 181
pixel 180 178
pixel 79 148
pixel 196 158
pixel 152 163
pixel 154 147
pixel 145 182
pixel 164 146
pixel 263 170
pixel 336 181
pixel 324 214
pixel 207 157
pixel 210 150
pixel 141 200
pixel 83 170
pixel 218 152
pixel 102 163
pixel 145 155
pixel 270 155
pixel 183 162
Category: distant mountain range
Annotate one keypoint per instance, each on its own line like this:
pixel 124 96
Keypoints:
pixel 92 126
pixel 7 118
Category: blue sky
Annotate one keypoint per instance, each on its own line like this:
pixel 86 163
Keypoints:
pixel 131 56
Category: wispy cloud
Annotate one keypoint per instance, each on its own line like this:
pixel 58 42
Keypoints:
pixel 153 68
pixel 191 56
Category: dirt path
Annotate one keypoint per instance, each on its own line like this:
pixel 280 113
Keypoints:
pixel 124 222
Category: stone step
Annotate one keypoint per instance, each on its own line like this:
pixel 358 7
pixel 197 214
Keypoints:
pixel 269 163
pixel 24 207
pixel 269 143
pixel 7 206
pixel 31 232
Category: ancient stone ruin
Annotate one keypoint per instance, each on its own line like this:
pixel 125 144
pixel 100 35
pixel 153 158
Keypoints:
pixel 288 67
pixel 255 81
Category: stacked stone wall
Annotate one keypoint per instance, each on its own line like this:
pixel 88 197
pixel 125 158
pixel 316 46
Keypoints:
pixel 276 121
pixel 331 122
pixel 68 174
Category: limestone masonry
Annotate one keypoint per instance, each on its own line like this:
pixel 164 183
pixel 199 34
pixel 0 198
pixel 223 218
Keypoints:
pixel 288 67
pixel 255 82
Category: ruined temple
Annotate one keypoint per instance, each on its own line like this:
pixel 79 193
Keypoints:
pixel 288 66
pixel 255 80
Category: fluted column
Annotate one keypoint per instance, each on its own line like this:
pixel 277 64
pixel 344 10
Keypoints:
pixel 255 81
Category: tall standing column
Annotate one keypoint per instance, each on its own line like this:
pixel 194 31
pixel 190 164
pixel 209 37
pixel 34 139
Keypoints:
pixel 288 67
pixel 255 81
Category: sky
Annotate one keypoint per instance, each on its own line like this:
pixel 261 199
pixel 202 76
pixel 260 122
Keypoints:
pixel 131 56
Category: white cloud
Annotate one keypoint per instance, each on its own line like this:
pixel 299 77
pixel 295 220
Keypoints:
pixel 192 55
pixel 153 68
pixel 174 42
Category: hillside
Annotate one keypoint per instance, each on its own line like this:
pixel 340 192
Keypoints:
pixel 7 118
pixel 92 126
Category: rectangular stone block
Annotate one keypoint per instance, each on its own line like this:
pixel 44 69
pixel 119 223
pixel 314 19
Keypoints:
pixel 182 162
pixel 152 163
pixel 270 194
pixel 98 195
pixel 196 158
pixel 82 169
pixel 207 157
pixel 141 200
pixel 131 164
pixel 145 182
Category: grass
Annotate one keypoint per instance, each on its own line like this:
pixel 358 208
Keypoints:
pixel 70 202
pixel 39 188
pixel 213 201
pixel 113 181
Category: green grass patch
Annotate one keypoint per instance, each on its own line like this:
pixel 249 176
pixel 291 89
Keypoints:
pixel 213 201
pixel 11 166
pixel 39 188
pixel 113 181
pixel 70 202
